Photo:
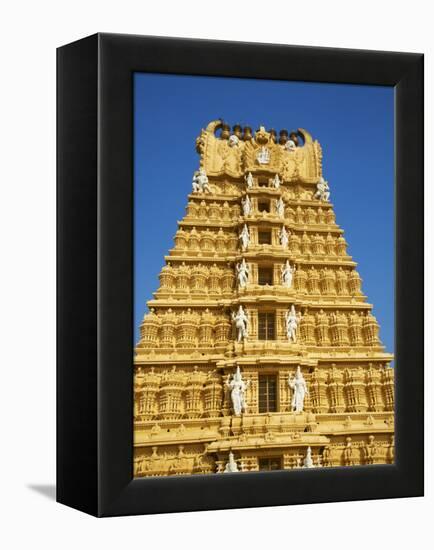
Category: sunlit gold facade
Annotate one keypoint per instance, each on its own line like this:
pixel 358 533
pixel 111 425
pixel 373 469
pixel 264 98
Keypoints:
pixel 184 421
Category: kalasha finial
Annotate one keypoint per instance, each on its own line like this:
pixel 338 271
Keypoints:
pixel 294 137
pixel 247 136
pixel 237 130
pixel 262 136
pixel 283 136
pixel 273 134
pixel 226 131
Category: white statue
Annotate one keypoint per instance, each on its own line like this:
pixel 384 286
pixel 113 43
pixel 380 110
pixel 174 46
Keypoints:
pixel 322 190
pixel 287 274
pixel 263 156
pixel 242 273
pixel 284 237
pixel 280 208
pixel 241 322
pixel 298 386
pixel 292 320
pixel 276 181
pixel 246 203
pixel 231 465
pixel 233 140
pixel 238 388
pixel 249 180
pixel 308 462
pixel 290 145
pixel 244 238
pixel 200 182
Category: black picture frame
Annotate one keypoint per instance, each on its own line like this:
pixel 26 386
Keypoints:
pixel 95 274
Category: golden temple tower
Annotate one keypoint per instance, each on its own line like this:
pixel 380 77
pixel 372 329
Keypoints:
pixel 260 351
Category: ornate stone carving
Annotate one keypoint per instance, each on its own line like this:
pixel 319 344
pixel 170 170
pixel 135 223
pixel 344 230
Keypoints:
pixel 188 417
pixel 299 389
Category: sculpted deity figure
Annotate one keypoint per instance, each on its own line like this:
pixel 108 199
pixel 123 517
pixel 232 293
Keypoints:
pixel 263 156
pixel 287 274
pixel 241 323
pixel 298 386
pixel 348 452
pixel 200 182
pixel 280 208
pixel 292 320
pixel 290 145
pixel 246 203
pixel 231 465
pixel 276 181
pixel 308 462
pixel 284 237
pixel 238 388
pixel 233 140
pixel 249 180
pixel 322 190
pixel 244 238
pixel 242 273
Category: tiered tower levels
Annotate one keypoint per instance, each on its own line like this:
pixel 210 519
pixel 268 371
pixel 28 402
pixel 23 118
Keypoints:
pixel 184 422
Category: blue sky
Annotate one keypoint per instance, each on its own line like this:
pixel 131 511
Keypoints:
pixel 354 125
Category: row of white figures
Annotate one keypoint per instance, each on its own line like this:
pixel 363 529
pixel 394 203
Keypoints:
pixel 243 272
pixel 238 387
pixel 232 467
pixel 241 323
pixel 200 184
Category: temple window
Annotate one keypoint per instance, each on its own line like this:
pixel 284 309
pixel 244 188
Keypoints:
pixel 267 393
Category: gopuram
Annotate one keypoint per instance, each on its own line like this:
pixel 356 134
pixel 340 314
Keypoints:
pixel 259 350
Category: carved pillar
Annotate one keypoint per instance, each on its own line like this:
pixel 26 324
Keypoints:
pixel 227 281
pixel 212 395
pixel 186 333
pixel 328 282
pixel 389 389
pixel 307 329
pixel 169 397
pixel 149 331
pixel 284 391
pixel 222 331
pixel 373 377
pixel 322 329
pixel 168 329
pixel 341 246
pixel 336 390
pixel 313 281
pixel 355 390
pixel 370 330
pixel 354 283
pixel 167 278
pixel 206 329
pixel 339 329
pixel 193 394
pixel 300 280
pixel 318 391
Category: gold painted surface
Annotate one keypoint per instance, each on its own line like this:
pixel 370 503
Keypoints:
pixel 183 421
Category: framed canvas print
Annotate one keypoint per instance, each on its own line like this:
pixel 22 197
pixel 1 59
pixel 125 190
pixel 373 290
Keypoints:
pixel 240 275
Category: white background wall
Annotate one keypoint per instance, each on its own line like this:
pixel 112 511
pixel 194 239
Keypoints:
pixel 30 32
